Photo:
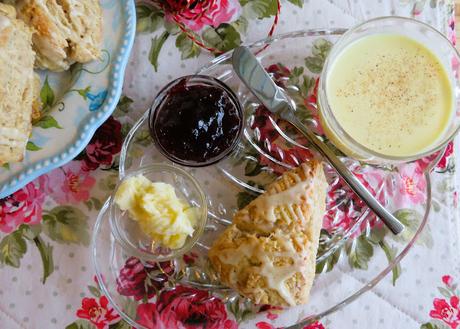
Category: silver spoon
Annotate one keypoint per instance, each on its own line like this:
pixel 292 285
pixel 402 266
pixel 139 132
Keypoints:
pixel 254 76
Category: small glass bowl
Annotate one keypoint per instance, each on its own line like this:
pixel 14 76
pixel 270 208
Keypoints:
pixel 127 231
pixel 192 80
pixel 424 34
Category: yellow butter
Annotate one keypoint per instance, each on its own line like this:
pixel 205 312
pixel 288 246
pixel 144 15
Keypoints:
pixel 160 213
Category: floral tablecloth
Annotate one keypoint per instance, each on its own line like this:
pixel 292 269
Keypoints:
pixel 47 280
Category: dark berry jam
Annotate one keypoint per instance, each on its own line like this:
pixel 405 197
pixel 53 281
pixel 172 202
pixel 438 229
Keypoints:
pixel 197 121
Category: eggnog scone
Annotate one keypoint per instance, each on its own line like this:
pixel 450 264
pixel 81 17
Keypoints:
pixel 269 252
pixel 66 31
pixel 18 85
pixel 290 202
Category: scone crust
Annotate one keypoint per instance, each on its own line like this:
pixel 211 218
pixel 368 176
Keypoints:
pixel 17 85
pixel 66 31
pixel 270 257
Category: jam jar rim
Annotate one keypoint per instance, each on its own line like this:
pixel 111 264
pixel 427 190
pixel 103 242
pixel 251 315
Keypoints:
pixel 195 79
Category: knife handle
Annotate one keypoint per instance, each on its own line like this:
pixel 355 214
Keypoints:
pixel 258 81
pixel 350 179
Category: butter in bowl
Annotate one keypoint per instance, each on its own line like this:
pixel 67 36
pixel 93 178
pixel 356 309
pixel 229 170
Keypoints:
pixel 158 212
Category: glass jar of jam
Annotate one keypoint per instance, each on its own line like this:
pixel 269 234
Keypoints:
pixel 196 120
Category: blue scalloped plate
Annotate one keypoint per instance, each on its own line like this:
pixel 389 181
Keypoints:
pixel 76 102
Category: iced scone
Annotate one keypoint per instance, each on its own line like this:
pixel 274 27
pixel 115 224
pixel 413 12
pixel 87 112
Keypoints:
pixel 269 252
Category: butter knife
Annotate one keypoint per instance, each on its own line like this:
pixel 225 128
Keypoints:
pixel 254 76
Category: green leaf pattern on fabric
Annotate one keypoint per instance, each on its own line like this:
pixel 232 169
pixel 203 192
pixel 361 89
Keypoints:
pixel 46 254
pixel 260 8
pixel 155 48
pixel 298 3
pixel 94 291
pixel 429 326
pixel 149 18
pixel 123 106
pixel 12 249
pixel 360 252
pixel 223 38
pixel 187 47
pixel 80 324
pixel 321 48
pixel 411 220
pixel 66 224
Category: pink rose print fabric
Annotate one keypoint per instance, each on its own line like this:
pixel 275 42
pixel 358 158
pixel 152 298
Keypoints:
pixel 446 311
pixel 185 308
pixel 23 206
pixel 98 312
pixel 447 155
pixel 142 280
pixel 70 183
pixel 104 145
pixel 411 185
pixel 208 13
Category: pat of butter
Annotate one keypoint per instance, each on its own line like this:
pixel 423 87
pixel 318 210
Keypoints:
pixel 160 213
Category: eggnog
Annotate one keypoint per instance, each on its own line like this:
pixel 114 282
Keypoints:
pixel 391 94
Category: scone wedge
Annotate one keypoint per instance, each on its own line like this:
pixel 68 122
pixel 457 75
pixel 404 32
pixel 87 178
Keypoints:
pixel 269 252
pixel 18 85
pixel 66 31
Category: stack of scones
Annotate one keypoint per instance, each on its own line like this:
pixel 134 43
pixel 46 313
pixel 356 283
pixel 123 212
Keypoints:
pixel 39 34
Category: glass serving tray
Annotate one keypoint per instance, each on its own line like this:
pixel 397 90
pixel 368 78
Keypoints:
pixel 356 251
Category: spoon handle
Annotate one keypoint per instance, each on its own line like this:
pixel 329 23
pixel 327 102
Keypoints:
pixel 354 183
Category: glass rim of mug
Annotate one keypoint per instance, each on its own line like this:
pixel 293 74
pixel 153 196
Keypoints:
pixel 328 115
pixel 155 108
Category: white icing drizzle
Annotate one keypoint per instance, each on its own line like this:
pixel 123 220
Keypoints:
pixel 233 257
pixel 10 143
pixel 4 22
pixel 12 137
pixel 11 133
pixel 287 198
pixel 276 276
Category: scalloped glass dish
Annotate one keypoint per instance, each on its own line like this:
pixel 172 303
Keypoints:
pixel 356 251
pixel 76 101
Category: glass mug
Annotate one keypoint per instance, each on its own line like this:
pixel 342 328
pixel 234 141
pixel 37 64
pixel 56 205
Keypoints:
pixel 420 32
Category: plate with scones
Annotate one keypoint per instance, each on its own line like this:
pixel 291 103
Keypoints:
pixel 282 230
pixel 61 66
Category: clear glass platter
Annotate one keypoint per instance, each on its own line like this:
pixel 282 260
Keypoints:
pixel 356 251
